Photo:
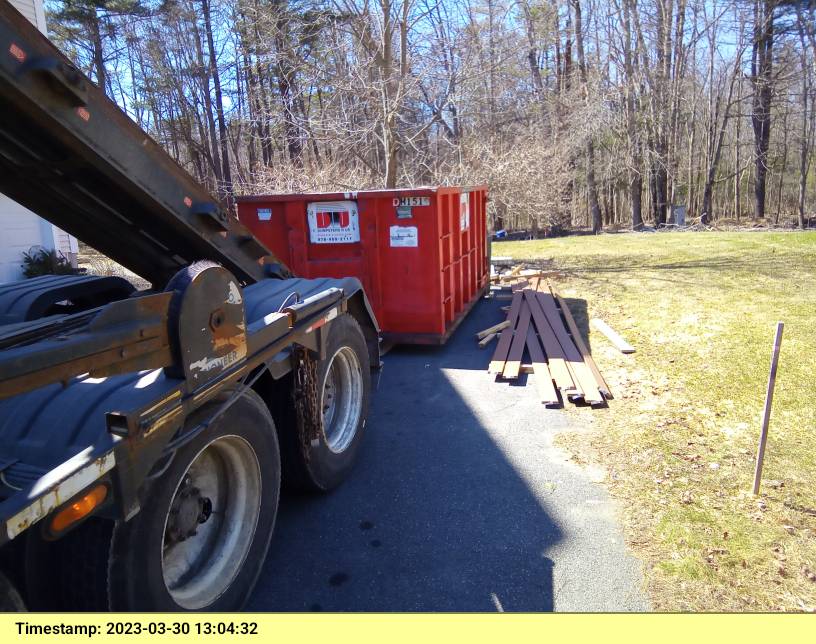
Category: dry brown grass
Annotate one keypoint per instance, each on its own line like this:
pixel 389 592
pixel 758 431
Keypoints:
pixel 95 263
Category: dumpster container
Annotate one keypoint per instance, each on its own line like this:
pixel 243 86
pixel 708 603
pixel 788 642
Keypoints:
pixel 421 253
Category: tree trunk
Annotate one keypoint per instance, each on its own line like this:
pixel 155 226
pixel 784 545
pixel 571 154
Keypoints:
pixel 661 88
pixel 716 137
pixel 762 80
pixel 532 51
pixel 808 115
pixel 804 159
pixel 98 53
pixel 226 175
pixel 635 157
pixel 285 72
pixel 592 192
pixel 209 138
pixel 784 167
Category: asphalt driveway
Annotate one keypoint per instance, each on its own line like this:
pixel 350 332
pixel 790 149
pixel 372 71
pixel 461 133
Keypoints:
pixel 459 502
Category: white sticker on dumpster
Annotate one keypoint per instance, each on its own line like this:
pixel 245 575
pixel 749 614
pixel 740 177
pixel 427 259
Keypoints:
pixel 464 212
pixel 404 236
pixel 264 214
pixel 333 222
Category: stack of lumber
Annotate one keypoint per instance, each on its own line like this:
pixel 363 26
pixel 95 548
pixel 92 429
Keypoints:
pixel 506 279
pixel 540 327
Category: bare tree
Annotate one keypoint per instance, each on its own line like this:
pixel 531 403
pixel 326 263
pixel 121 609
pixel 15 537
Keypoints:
pixel 577 112
pixel 589 147
pixel 762 82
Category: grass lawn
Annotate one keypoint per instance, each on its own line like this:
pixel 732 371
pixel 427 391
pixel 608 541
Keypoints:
pixel 679 440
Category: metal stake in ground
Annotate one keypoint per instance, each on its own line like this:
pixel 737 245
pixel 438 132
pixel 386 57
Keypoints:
pixel 766 415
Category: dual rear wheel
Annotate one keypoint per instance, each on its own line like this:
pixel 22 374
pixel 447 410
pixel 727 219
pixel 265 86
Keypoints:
pixel 205 527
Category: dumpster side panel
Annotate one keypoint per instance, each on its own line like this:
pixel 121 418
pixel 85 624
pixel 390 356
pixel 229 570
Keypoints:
pixel 409 267
pixel 267 221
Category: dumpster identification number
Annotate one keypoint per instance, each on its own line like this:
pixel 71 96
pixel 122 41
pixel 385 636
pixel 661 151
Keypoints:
pixel 412 201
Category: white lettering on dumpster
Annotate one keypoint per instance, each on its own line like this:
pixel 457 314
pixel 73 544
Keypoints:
pixel 404 236
pixel 412 201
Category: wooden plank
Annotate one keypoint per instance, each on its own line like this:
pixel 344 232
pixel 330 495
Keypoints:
pixel 503 346
pixel 506 261
pixel 579 390
pixel 543 377
pixel 507 277
pixel 553 351
pixel 492 330
pixel 582 376
pixel 620 344
pixel 487 340
pixel 513 364
pixel 579 342
pixel 547 302
pixel 555 356
pixel 766 412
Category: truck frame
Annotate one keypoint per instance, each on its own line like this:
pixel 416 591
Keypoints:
pixel 144 433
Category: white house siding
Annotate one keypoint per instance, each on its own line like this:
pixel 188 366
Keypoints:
pixel 21 229
pixel 29 9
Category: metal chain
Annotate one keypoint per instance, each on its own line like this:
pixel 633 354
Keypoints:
pixel 306 400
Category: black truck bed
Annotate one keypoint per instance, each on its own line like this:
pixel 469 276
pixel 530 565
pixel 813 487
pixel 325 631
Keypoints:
pixel 42 428
pixel 53 433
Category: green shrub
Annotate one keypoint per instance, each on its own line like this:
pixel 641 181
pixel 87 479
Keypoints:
pixel 44 261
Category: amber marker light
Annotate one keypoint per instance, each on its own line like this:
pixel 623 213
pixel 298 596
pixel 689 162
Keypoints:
pixel 79 509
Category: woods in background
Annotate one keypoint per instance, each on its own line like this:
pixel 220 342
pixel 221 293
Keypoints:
pixel 577 113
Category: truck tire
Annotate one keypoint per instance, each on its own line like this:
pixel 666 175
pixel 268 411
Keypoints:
pixel 203 533
pixel 343 390
pixel 10 600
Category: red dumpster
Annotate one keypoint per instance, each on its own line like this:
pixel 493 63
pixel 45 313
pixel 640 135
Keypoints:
pixel 421 253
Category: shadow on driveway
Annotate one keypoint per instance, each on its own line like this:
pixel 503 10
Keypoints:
pixel 433 517
pixel 448 506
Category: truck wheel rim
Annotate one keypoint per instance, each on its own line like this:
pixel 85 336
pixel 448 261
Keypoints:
pixel 342 399
pixel 203 553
